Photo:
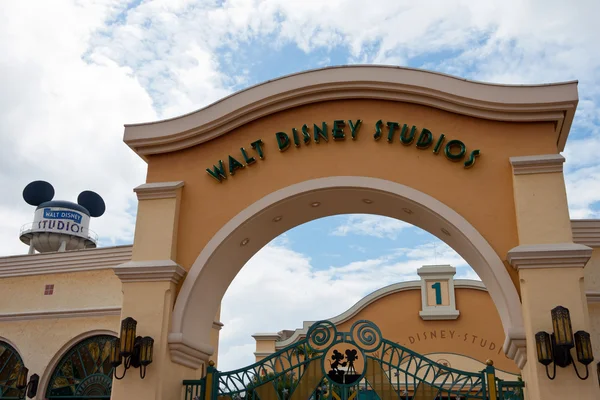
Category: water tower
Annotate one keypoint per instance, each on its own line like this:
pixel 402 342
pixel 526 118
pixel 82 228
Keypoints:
pixel 60 225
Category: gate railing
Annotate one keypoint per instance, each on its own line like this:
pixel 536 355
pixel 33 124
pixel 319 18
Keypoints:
pixel 354 365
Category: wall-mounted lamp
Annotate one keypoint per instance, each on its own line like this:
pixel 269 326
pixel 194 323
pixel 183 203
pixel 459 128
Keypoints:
pixel 27 387
pixel 557 346
pixel 136 351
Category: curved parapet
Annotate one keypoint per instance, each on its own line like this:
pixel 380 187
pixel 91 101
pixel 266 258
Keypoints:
pixel 554 103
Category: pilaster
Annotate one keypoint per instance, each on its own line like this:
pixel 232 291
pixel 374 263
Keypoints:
pixel 552 275
pixel 149 283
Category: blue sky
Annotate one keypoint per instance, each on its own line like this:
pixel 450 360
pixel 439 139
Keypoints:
pixel 75 72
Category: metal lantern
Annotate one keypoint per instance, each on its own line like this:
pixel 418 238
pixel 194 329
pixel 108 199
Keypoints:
pixel 544 348
pixel 561 323
pixel 22 378
pixel 146 345
pixel 128 326
pixel 115 353
pixel 583 346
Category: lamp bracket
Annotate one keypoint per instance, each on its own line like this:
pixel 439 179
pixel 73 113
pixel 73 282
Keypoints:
pixel 562 354
pixel 135 357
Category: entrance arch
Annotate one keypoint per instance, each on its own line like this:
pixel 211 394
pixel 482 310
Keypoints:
pixel 238 240
pixel 419 135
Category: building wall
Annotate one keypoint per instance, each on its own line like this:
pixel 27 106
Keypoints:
pixel 42 342
pixel 72 291
pixel 476 333
pixel 469 340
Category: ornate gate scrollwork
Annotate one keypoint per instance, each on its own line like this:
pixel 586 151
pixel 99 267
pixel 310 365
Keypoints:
pixel 355 365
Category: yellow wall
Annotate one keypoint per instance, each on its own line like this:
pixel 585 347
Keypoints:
pixel 76 290
pixel 476 334
pixel 489 205
pixel 39 340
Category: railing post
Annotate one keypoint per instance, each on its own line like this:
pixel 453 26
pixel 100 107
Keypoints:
pixel 490 373
pixel 210 387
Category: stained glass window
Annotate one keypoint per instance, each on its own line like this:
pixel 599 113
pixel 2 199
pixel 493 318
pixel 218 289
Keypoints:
pixel 84 372
pixel 10 365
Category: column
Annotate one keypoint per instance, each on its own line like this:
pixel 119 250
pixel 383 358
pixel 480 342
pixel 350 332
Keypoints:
pixel 149 291
pixel 551 272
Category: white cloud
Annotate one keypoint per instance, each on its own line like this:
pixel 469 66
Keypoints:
pixel 61 118
pixel 279 289
pixel 74 73
pixel 370 225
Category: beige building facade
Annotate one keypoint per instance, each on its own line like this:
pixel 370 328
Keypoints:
pixel 477 165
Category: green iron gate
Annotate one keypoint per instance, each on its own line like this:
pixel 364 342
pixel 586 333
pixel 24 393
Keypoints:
pixel 354 365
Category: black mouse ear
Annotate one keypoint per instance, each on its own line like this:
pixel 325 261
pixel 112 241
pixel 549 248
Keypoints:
pixel 92 202
pixel 38 192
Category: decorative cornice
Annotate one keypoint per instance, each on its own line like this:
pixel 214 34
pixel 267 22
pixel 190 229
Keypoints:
pixel 50 314
pixel 150 271
pixel 592 297
pixel 556 255
pixel 439 315
pixel 436 270
pixel 586 231
pixel 266 336
pixel 192 356
pixel 369 299
pixel 158 190
pixel 515 347
pixel 64 262
pixel 540 164
pixel 217 325
pixel 554 103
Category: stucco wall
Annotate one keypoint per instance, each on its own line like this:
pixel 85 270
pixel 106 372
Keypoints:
pixel 40 341
pixel 485 200
pixel 477 334
pixel 76 290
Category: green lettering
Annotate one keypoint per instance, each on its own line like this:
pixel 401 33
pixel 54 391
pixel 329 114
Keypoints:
pixel 425 139
pixel 407 140
pixel 354 128
pixel 338 129
pixel 283 141
pixel 471 161
pixel 217 172
pixel 322 132
pixel 438 145
pixel 455 156
pixel 296 139
pixel 378 126
pixel 233 165
pixel 305 134
pixel 257 145
pixel 247 160
pixel 392 126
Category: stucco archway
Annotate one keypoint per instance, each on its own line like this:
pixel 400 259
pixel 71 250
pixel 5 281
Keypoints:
pixel 239 239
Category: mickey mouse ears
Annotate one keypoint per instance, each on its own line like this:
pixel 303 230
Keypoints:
pixel 38 192
pixel 93 202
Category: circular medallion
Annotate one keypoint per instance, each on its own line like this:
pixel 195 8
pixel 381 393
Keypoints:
pixel 344 364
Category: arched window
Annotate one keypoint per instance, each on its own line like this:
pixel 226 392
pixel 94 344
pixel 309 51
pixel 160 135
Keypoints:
pixel 84 372
pixel 10 365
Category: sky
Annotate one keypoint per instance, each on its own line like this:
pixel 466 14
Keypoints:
pixel 73 72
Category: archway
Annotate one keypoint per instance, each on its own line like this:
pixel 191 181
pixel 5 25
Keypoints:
pixel 240 238
pixel 62 352
pixel 83 371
